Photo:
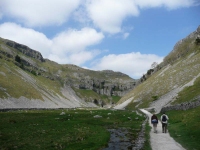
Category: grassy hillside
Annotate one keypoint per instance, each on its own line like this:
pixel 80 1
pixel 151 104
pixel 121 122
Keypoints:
pixel 24 72
pixel 191 93
pixel 178 68
pixel 15 82
pixel 12 83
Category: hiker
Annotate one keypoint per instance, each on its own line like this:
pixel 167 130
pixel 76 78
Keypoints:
pixel 164 118
pixel 154 121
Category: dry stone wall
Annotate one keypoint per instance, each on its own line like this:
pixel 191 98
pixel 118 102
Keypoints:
pixel 182 106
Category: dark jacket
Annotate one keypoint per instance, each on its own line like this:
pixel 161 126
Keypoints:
pixel 154 117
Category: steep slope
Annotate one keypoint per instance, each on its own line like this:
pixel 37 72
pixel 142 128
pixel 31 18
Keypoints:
pixel 27 80
pixel 178 70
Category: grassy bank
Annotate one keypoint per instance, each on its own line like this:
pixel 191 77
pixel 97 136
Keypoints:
pixel 147 144
pixel 184 127
pixel 76 129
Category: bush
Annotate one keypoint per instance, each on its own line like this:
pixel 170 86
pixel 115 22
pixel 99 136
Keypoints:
pixel 18 59
pixel 33 72
pixel 197 41
pixel 150 71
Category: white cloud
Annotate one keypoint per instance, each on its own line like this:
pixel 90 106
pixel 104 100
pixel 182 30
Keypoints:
pixel 35 40
pixel 125 35
pixel 71 46
pixel 39 13
pixel 83 56
pixel 67 47
pixel 134 64
pixel 108 15
pixel 74 58
pixel 76 40
pixel 170 4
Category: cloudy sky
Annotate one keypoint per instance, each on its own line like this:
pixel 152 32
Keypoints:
pixel 120 35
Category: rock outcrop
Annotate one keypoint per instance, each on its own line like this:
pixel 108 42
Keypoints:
pixel 25 50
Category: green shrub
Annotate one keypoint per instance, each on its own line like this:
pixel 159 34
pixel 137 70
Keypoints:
pixel 34 72
pixel 155 98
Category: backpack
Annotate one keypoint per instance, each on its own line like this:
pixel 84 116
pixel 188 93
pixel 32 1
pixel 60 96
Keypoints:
pixel 164 118
pixel 154 121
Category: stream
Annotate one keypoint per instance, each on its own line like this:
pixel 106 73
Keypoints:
pixel 122 139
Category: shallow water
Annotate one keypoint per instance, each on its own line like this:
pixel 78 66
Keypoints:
pixel 122 139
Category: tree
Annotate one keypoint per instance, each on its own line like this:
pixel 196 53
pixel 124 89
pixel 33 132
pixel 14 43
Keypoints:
pixel 154 65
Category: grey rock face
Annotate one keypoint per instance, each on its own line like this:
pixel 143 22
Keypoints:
pixel 103 87
pixel 26 50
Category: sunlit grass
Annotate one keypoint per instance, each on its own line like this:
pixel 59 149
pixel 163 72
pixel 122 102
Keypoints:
pixel 184 127
pixel 15 85
pixel 189 93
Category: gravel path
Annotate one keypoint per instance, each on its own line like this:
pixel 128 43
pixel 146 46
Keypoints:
pixel 161 141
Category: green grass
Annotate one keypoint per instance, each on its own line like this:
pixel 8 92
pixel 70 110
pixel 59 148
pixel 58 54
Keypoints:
pixel 14 84
pixel 147 144
pixel 184 127
pixel 90 94
pixel 189 93
pixel 115 99
pixel 77 129
pixel 12 81
pixel 53 85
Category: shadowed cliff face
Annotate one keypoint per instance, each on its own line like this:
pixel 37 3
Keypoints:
pixel 21 63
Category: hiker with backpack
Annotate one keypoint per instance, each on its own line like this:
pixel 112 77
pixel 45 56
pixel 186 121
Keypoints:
pixel 154 121
pixel 164 120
